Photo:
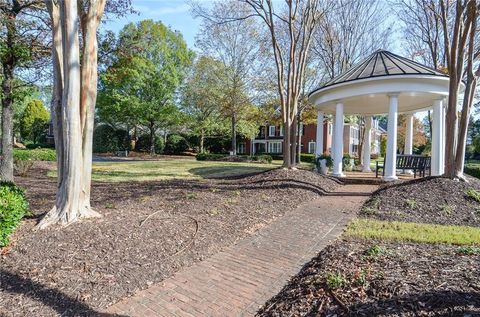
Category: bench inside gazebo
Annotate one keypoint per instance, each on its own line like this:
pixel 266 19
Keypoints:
pixel 385 83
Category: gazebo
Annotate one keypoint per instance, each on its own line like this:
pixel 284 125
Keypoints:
pixel 383 83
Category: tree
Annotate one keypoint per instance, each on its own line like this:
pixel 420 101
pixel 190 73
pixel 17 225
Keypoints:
pixel 347 33
pixel 140 86
pixel 74 96
pixel 291 34
pixel 21 44
pixel 419 137
pixel 459 34
pixel 423 34
pixel 237 45
pixel 202 97
pixel 34 121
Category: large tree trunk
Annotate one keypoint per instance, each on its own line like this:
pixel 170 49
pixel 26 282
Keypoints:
pixel 234 133
pixel 467 102
pixel 293 142
pixel 152 138
pixel 286 144
pixel 88 98
pixel 6 161
pixel 73 102
pixel 202 141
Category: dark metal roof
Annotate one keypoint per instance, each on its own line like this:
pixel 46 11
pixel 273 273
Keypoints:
pixel 379 64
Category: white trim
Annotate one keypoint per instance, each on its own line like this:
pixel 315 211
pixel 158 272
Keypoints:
pixel 311 150
pixel 271 144
pixel 270 130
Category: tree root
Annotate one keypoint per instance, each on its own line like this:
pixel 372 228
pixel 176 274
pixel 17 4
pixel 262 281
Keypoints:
pixel 63 217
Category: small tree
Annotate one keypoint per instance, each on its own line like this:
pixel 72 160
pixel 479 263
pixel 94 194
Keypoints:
pixel 202 97
pixel 459 23
pixel 34 121
pixel 149 63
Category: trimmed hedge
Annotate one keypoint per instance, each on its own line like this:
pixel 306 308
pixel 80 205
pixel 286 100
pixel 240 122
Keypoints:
pixel 239 158
pixel 38 154
pixel 472 171
pixel 13 207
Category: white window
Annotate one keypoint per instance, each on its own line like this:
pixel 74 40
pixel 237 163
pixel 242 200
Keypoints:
pixel 241 147
pixel 271 130
pixel 281 130
pixel 275 147
pixel 311 147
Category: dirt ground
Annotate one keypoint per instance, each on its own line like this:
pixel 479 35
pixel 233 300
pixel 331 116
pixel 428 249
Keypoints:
pixel 426 200
pixel 364 278
pixel 149 230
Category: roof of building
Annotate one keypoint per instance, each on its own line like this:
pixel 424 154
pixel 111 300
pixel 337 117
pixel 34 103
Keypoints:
pixel 380 64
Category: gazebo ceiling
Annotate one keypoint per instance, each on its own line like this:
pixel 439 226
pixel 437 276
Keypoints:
pixel 364 88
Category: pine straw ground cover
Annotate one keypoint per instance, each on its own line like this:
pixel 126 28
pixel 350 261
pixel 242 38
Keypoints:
pixel 149 230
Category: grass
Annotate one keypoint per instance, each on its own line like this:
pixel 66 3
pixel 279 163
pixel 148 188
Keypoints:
pixel 140 171
pixel 413 232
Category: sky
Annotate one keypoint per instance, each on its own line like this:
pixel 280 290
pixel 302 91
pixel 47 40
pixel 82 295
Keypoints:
pixel 174 13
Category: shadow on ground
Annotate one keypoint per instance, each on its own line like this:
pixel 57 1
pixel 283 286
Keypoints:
pixel 63 304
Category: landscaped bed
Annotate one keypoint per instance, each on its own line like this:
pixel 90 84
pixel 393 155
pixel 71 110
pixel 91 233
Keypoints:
pixel 428 200
pixel 369 278
pixel 149 230
pixel 414 251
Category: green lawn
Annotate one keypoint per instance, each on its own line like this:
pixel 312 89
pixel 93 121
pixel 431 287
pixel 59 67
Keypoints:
pixel 123 171
pixel 413 232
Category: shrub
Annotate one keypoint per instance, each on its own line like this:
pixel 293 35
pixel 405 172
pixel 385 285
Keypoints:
pixel 472 171
pixel 211 157
pixel 32 146
pixel 22 162
pixel 34 121
pixel 239 158
pixel 263 158
pixel 325 157
pixel 35 155
pixel 176 144
pixel 13 207
pixel 109 140
pixel 374 156
pixel 307 157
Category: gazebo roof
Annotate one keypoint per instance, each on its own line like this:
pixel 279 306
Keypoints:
pixel 381 63
pixel 364 88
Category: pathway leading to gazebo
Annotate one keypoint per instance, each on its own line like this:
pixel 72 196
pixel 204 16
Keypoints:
pixel 240 279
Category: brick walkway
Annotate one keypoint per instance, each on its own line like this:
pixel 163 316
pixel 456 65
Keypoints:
pixel 237 281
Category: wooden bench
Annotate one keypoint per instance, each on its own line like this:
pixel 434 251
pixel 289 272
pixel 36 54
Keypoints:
pixel 416 163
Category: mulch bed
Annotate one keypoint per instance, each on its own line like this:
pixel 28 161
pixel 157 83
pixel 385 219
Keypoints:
pixel 149 230
pixel 426 200
pixel 393 279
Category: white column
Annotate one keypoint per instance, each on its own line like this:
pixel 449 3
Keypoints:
pixel 408 150
pixel 338 141
pixel 409 135
pixel 438 163
pixel 367 141
pixel 391 155
pixel 319 138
